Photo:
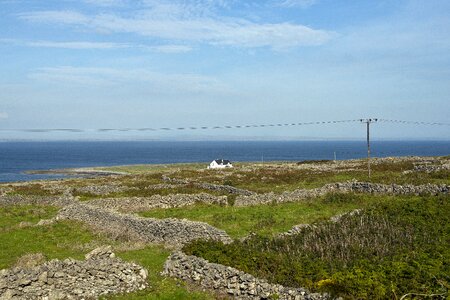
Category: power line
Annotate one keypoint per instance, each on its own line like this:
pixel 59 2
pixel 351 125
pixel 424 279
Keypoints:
pixel 178 128
pixel 145 129
pixel 413 122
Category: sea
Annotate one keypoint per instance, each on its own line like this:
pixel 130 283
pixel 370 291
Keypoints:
pixel 16 158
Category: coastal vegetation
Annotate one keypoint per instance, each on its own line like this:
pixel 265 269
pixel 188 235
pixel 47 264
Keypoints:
pixel 355 245
pixel 390 249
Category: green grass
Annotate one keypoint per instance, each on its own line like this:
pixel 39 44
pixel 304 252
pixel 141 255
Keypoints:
pixel 60 240
pixel 73 239
pixel 268 219
pixel 391 249
pixel 11 216
pixel 153 258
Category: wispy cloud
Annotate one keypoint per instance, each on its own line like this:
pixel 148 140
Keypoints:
pixel 102 77
pixel 170 48
pixel 296 3
pixel 105 2
pixel 84 45
pixel 174 22
pixel 3 115
pixel 62 17
pixel 76 45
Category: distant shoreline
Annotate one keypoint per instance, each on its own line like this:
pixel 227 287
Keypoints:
pixel 23 161
pixel 84 172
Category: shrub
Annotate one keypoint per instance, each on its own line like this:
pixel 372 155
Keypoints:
pixel 391 249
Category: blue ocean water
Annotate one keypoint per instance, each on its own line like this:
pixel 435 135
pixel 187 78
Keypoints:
pixel 18 157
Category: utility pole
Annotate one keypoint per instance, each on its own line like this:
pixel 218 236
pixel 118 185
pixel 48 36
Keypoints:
pixel 368 121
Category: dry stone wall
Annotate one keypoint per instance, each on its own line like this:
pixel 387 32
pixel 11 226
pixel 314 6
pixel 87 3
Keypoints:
pixel 137 204
pixel 100 274
pixel 172 232
pixel 37 200
pixel 226 280
pixel 101 190
pixel 296 229
pixel 429 168
pixel 211 186
pixel 359 187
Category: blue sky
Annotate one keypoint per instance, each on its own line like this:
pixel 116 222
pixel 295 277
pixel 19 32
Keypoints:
pixel 154 63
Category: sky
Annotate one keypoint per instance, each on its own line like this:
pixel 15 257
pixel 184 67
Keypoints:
pixel 90 64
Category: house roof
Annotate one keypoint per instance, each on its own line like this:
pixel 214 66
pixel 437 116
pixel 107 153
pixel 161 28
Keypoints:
pixel 222 161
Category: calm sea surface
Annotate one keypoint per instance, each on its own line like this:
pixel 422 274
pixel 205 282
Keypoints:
pixel 18 157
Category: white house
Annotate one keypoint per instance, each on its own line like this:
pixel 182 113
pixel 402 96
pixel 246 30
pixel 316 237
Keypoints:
pixel 220 164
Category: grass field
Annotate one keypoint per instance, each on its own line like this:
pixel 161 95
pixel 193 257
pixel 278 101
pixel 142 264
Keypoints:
pixel 400 246
pixel 65 239
pixel 268 219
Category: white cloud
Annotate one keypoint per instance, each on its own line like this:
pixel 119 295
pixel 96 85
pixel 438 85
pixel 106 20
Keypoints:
pixel 3 115
pixel 179 23
pixel 296 3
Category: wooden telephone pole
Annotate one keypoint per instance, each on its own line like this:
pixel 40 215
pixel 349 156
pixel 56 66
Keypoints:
pixel 368 121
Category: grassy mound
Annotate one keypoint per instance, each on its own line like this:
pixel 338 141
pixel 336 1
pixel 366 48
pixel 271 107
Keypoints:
pixel 390 249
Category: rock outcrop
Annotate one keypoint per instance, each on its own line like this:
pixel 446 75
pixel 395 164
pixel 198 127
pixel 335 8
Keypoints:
pixel 100 274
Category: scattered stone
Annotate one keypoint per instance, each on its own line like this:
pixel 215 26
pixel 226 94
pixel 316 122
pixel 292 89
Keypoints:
pixel 25 224
pixel 45 222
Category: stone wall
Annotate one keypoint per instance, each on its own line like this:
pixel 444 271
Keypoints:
pixel 137 204
pixel 296 229
pixel 359 187
pixel 211 186
pixel 226 280
pixel 429 168
pixel 100 274
pixel 37 200
pixel 173 232
pixel 101 190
